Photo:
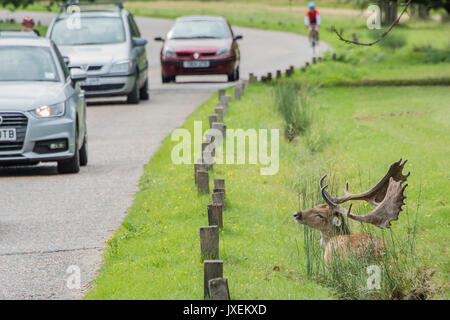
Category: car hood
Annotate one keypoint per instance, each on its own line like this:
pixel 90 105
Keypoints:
pixel 24 96
pixel 95 54
pixel 197 45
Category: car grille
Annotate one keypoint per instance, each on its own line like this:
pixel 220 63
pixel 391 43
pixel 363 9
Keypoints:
pixel 18 121
pixel 103 87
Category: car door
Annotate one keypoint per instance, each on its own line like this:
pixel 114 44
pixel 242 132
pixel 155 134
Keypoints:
pixel 75 96
pixel 140 52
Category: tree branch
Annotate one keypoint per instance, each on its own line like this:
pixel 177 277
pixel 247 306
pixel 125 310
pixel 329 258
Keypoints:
pixel 382 36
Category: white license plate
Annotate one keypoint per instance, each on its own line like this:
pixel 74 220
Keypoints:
pixel 8 134
pixel 196 64
pixel 91 82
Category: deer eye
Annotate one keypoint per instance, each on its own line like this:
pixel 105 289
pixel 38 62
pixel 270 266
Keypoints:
pixel 319 216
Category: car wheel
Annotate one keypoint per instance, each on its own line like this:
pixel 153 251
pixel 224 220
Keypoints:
pixel 133 96
pixel 167 79
pixel 232 76
pixel 84 153
pixel 143 93
pixel 71 165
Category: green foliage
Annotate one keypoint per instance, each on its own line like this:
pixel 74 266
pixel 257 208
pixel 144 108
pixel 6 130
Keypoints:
pixel 292 101
pixel 433 55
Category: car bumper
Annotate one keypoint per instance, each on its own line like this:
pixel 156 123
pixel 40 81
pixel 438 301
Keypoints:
pixel 39 134
pixel 100 86
pixel 173 67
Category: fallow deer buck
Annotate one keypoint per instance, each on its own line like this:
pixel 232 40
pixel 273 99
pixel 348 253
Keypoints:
pixel 387 197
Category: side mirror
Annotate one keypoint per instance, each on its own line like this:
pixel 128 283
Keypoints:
pixel 158 39
pixel 238 37
pixel 76 74
pixel 66 60
pixel 139 42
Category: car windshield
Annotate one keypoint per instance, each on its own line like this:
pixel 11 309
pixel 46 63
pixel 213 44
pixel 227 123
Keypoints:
pixel 199 29
pixel 23 63
pixel 89 30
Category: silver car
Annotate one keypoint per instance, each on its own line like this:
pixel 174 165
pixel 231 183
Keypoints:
pixel 107 44
pixel 42 108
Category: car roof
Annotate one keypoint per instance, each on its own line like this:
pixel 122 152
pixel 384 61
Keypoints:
pixel 23 40
pixel 193 18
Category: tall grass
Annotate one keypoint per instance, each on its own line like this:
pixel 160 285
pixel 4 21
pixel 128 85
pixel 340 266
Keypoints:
pixel 400 274
pixel 292 101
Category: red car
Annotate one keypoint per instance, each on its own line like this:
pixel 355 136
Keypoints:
pixel 200 45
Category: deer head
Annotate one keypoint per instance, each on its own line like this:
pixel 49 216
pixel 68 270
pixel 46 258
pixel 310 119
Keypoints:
pixel 387 197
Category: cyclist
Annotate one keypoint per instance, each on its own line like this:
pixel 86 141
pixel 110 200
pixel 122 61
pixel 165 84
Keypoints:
pixel 28 25
pixel 312 20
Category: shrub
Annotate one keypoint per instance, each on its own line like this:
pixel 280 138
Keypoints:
pixel 292 101
pixel 433 55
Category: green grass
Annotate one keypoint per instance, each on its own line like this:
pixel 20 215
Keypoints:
pixel 158 254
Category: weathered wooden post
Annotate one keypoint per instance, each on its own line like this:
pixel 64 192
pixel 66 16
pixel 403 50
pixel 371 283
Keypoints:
pixel 319 59
pixel 355 38
pixel 278 74
pixel 215 216
pixel 252 78
pixel 333 56
pixel 219 199
pixel 288 72
pixel 207 157
pixel 212 269
pixel 245 85
pixel 220 126
pixel 225 99
pixel 269 76
pixel 212 118
pixel 199 166
pixel 218 289
pixel 237 93
pixel 220 111
pixel 221 93
pixel 292 69
pixel 314 60
pixel 209 242
pixel 303 69
pixel 219 185
pixel 203 180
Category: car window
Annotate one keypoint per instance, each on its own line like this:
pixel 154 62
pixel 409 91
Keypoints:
pixel 27 63
pixel 92 30
pixel 133 27
pixel 199 29
pixel 63 65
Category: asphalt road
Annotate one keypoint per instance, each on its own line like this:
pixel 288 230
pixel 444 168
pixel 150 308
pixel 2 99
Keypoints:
pixel 49 222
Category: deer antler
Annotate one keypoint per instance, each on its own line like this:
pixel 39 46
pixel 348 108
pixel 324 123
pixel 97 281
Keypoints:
pixel 375 195
pixel 387 195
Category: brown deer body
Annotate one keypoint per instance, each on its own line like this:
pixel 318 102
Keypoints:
pixel 387 197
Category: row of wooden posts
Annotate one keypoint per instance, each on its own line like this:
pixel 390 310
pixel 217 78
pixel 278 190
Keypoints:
pixel 215 286
pixel 289 72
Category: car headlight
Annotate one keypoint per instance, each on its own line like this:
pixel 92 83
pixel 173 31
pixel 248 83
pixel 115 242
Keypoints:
pixel 49 111
pixel 169 53
pixel 121 67
pixel 223 52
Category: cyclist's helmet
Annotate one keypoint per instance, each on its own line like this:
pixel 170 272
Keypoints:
pixel 28 21
pixel 311 5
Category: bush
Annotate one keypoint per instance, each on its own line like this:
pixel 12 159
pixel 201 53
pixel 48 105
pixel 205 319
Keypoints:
pixel 433 55
pixel 292 101
pixel 391 41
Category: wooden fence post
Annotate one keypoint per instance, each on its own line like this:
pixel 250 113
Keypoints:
pixel 211 269
pixel 212 118
pixel 219 198
pixel 220 126
pixel 220 113
pixel 221 93
pixel 225 99
pixel 209 242
pixel 218 289
pixel 314 60
pixel 199 166
pixel 269 76
pixel 215 217
pixel 237 93
pixel 278 74
pixel 203 181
